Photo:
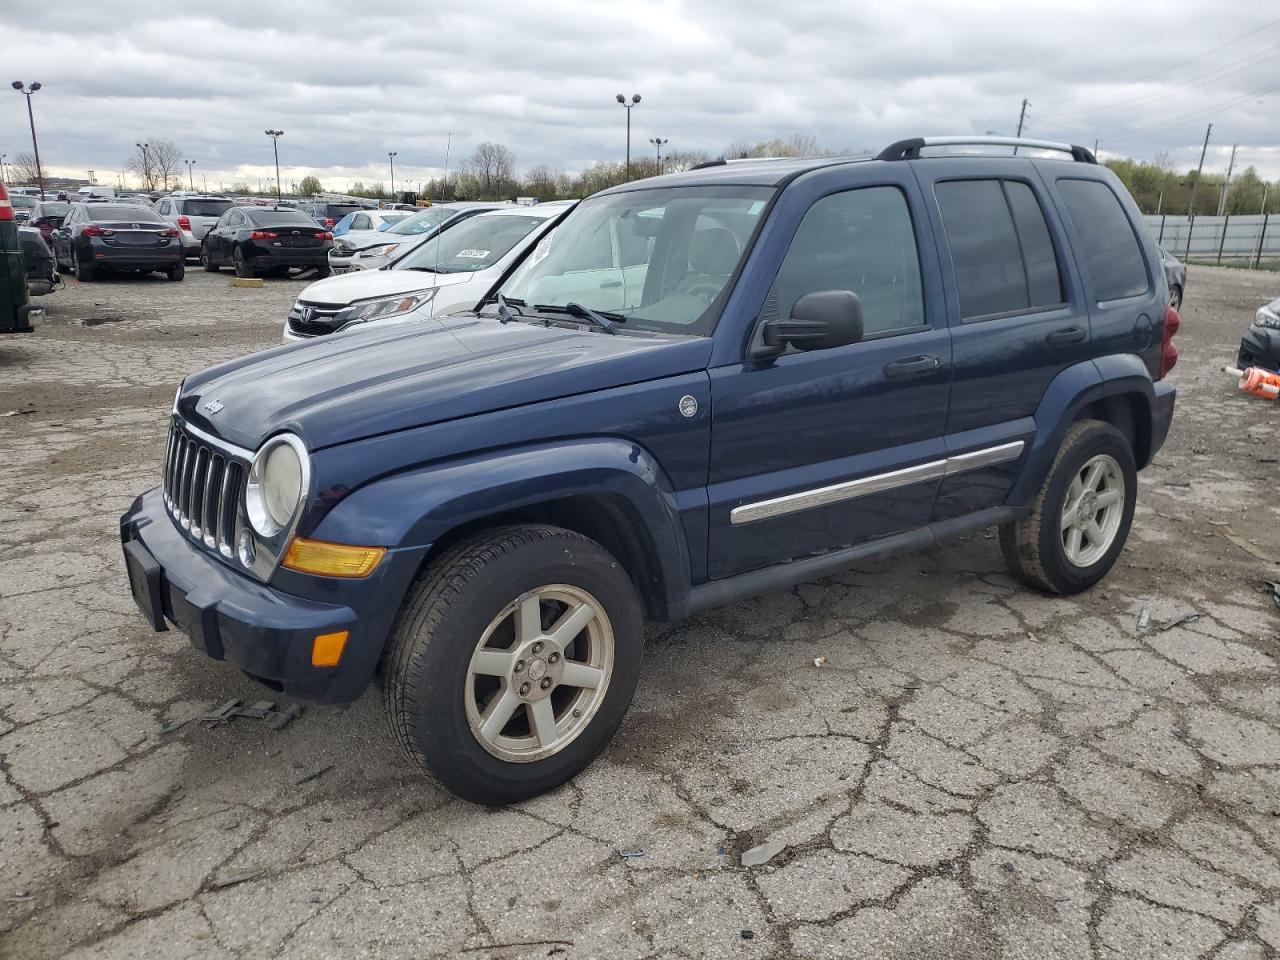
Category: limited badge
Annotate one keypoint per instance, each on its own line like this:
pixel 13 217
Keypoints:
pixel 688 406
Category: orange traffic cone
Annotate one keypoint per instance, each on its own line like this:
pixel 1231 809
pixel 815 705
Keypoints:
pixel 1255 380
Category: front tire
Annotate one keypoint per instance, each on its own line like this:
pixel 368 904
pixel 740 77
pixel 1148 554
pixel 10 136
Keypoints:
pixel 512 662
pixel 1080 519
pixel 206 260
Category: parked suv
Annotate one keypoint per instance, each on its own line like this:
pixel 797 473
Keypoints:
pixel 194 216
pixel 792 365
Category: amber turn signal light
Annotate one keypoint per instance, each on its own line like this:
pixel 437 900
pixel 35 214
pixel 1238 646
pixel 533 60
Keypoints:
pixel 326 649
pixel 332 559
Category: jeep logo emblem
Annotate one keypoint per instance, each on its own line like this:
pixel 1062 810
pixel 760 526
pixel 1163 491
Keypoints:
pixel 211 406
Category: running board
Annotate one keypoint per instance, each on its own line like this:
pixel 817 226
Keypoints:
pixel 717 593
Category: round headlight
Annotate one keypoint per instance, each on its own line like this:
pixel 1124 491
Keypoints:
pixel 275 485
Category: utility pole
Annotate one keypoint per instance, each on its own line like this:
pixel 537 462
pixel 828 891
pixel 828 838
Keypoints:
pixel 1226 184
pixel 4 177
pixel 1022 115
pixel 391 155
pixel 27 92
pixel 275 136
pixel 635 98
pixel 1191 204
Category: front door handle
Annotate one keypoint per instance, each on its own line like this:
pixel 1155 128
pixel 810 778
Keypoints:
pixel 911 367
pixel 1060 338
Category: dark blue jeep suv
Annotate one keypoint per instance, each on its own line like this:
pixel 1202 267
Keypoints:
pixel 695 388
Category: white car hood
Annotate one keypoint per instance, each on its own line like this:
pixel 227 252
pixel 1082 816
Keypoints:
pixel 359 239
pixel 347 288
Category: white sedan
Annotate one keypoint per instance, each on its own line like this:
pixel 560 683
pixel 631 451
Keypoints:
pixel 373 251
pixel 451 270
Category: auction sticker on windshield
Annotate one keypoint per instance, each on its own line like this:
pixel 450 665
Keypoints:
pixel 473 254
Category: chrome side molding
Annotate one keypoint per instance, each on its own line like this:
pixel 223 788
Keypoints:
pixel 876 483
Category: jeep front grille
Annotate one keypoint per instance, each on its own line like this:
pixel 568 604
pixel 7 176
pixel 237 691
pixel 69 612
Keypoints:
pixel 204 487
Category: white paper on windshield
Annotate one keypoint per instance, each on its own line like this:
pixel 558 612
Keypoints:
pixel 543 248
pixel 473 254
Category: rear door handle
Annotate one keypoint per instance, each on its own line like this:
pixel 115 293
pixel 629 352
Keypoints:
pixel 911 367
pixel 1060 338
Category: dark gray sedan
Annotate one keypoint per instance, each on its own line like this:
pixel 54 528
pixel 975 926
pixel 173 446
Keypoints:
pixel 1175 272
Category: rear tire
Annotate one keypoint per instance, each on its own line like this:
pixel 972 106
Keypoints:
pixel 1081 517
pixel 1175 297
pixel 322 272
pixel 498 598
pixel 177 271
pixel 242 266
pixel 82 273
pixel 206 260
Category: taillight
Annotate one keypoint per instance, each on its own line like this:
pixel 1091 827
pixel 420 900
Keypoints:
pixel 324 235
pixel 6 208
pixel 1168 352
pixel 185 223
pixel 263 235
pixel 329 221
pixel 169 233
pixel 92 231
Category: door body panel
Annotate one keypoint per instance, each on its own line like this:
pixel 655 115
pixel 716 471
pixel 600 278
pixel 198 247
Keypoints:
pixel 1003 363
pixel 790 428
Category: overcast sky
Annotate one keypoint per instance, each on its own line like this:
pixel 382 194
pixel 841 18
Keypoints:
pixel 349 82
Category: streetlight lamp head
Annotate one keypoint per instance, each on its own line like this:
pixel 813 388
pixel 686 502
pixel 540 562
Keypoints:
pixel 17 85
pixel 635 98
pixel 35 87
pixel 621 98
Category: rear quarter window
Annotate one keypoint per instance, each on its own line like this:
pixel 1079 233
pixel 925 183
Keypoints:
pixel 1109 247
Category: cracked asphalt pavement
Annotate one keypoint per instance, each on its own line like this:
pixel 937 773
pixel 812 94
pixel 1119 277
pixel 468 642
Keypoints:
pixel 976 770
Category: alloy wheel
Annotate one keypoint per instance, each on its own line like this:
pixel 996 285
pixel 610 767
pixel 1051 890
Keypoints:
pixel 539 673
pixel 1092 510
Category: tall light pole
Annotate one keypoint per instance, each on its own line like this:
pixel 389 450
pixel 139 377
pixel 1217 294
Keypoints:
pixel 635 98
pixel 146 164
pixel 658 142
pixel 391 155
pixel 275 136
pixel 17 85
pixel 190 177
pixel 4 177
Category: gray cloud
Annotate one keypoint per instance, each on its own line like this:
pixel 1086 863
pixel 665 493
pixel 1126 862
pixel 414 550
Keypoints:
pixel 348 83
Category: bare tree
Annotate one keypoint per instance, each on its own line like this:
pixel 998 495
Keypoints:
pixel 23 167
pixel 491 165
pixel 542 182
pixel 156 162
pixel 677 161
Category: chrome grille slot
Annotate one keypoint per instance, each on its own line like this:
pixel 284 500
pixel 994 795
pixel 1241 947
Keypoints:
pixel 203 487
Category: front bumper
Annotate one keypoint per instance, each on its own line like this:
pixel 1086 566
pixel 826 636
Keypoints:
pixel 264 631
pixel 1259 347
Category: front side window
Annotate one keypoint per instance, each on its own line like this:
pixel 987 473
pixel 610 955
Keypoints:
pixel 657 259
pixel 472 245
pixel 860 240
pixel 1113 259
pixel 1001 250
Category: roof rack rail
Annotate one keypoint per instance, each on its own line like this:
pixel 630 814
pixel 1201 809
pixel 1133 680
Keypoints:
pixel 910 149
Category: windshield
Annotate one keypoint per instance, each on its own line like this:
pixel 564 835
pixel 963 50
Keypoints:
pixel 206 208
pixel 471 245
pixel 51 208
pixel 423 222
pixel 392 216
pixel 659 258
pixel 22 203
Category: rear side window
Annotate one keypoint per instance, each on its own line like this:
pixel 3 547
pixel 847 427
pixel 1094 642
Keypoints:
pixel 1113 259
pixel 860 240
pixel 1000 247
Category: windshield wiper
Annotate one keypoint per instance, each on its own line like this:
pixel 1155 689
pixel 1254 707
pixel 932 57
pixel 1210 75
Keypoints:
pixel 504 308
pixel 605 319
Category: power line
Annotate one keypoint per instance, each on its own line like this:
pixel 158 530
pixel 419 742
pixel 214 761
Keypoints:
pixel 1207 111
pixel 1175 66
pixel 1219 73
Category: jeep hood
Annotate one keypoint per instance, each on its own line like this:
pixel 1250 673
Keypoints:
pixel 345 387
pixel 347 288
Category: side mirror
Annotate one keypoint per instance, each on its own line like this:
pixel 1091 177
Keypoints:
pixel 818 321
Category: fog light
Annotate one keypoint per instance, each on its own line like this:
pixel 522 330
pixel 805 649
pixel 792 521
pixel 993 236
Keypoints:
pixel 332 559
pixel 326 649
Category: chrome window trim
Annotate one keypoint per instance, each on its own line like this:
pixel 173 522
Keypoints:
pixel 876 483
